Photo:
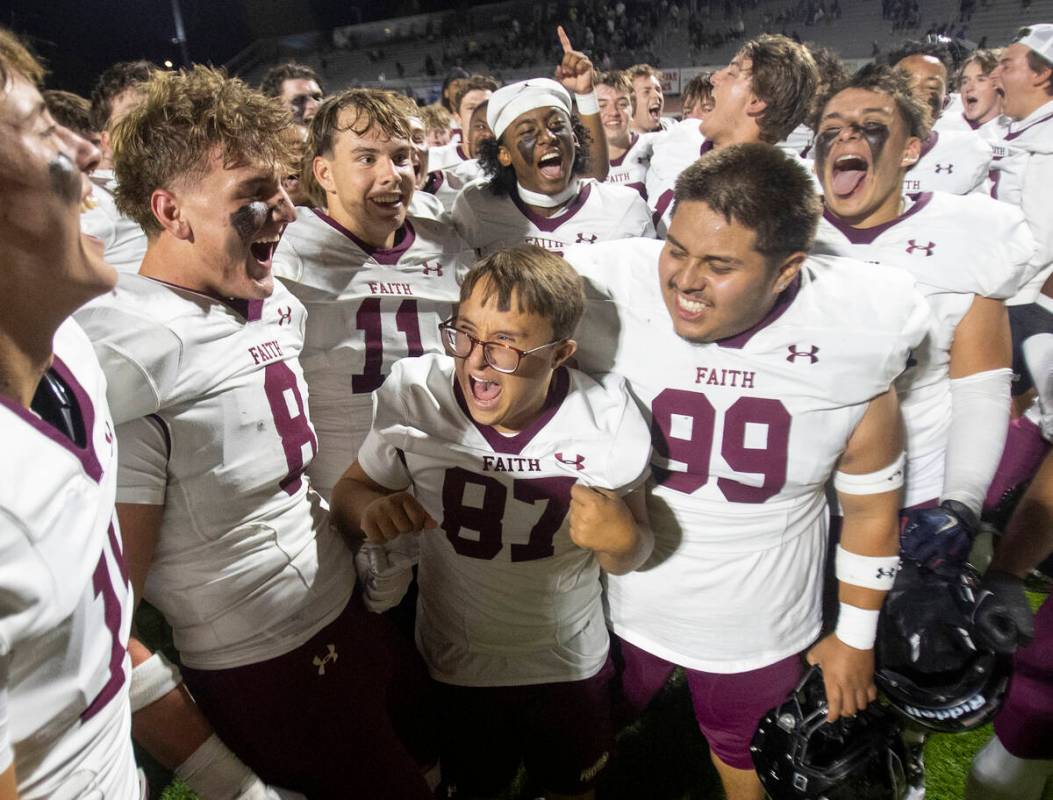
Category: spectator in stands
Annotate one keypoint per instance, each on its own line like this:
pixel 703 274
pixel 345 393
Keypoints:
pixel 438 123
pixel 297 86
pixel 648 98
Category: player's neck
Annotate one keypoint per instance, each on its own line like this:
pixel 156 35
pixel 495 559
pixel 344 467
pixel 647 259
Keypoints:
pixel 381 237
pixel 1033 103
pixel 513 424
pixel 619 145
pixel 25 354
pixel 746 132
pixel 888 210
pixel 990 115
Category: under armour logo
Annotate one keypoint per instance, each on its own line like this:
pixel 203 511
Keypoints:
pixel 429 270
pixel 913 246
pixel 948 168
pixel 885 573
pixel 587 240
pixel 330 656
pixel 578 462
pixel 811 354
pixel 285 315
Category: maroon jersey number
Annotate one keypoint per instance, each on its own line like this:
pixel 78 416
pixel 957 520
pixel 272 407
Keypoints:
pixel 695 452
pixel 103 586
pixel 368 320
pixel 290 420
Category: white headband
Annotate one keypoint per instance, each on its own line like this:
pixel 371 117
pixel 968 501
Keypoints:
pixel 510 101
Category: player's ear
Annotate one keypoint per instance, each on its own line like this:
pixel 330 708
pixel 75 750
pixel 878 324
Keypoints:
pixel 911 152
pixel 563 352
pixel 323 173
pixel 756 107
pixel 504 158
pixel 788 270
pixel 167 211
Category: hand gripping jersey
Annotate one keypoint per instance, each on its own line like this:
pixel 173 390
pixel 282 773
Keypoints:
pixel 745 433
pixel 630 169
pixel 951 161
pixel 1023 176
pixel 506 598
pixel 598 213
pixel 213 424
pixel 65 602
pixel 367 308
pixel 956 248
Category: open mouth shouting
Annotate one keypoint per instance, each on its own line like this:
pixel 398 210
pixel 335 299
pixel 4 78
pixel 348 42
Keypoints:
pixel 848 173
pixel 550 166
pixel 654 111
pixel 262 250
pixel 484 392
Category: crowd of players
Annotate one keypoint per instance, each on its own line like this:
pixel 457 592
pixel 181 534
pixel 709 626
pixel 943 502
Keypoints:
pixel 607 393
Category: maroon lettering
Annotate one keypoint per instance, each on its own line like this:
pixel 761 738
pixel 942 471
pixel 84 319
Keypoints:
pixel 103 586
pixel 294 429
pixel 510 464
pixel 265 351
pixel 737 378
pixel 369 321
pixel 379 287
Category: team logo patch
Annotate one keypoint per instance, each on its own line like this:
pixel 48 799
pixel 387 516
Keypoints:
pixel 913 247
pixel 948 168
pixel 578 462
pixel 812 354
pixel 285 315
pixel 885 573
pixel 328 658
pixel 432 269
pixel 582 238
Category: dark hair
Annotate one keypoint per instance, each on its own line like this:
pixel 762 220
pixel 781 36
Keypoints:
pixel 455 74
pixel 761 188
pixel 471 84
pixel 986 60
pixel 503 179
pixel 911 47
pixel 1036 62
pixel 111 83
pixel 697 89
pixel 784 76
pixel 894 82
pixel 70 110
pixel 543 283
pixel 271 84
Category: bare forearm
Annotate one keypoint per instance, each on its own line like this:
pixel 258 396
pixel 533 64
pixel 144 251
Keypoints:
pixel 1028 537
pixel 350 499
pixel 628 560
pixel 599 159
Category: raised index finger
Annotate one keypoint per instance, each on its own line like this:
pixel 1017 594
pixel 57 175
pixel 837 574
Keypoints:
pixel 564 39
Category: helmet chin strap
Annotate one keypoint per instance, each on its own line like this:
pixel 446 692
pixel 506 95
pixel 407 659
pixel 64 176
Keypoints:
pixel 549 200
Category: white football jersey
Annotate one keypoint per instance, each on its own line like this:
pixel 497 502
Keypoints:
pixel 992 131
pixel 447 155
pixel 630 169
pixel 367 308
pixel 213 424
pixel 957 248
pixel 446 184
pixel 65 601
pixel 951 161
pixel 799 142
pixel 506 598
pixel 599 212
pixel 745 434
pixel 1023 175
pixel 124 243
pixel 681 147
pixel 1038 353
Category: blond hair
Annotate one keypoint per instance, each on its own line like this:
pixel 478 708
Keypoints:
pixel 436 118
pixel 186 119
pixel 16 58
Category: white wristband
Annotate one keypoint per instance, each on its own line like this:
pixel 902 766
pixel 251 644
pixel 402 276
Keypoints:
pixel 857 627
pixel 152 680
pixel 870 572
pixel 215 773
pixel 886 479
pixel 588 104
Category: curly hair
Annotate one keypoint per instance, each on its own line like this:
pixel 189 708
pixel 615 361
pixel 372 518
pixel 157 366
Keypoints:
pixel 881 78
pixel 186 119
pixel 271 84
pixel 503 179
pixel 16 58
pixel 111 83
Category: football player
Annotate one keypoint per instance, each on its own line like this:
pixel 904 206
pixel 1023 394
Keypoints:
pixel 954 161
pixel 535 193
pixel 628 151
pixel 761 96
pixel 297 87
pixel 375 277
pixel 447 183
pixel 223 533
pixel 981 98
pixel 65 606
pixel 967 255
pixel 471 92
pixel 648 99
pixel 524 479
pixel 697 96
pixel 1023 177
pixel 765 372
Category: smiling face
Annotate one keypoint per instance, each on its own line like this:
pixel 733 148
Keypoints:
pixel 649 103
pixel 714 282
pixel 41 166
pixel 506 402
pixel 368 179
pixel 1023 87
pixel 928 81
pixel 539 146
pixel 615 108
pixel 734 106
pixel 419 143
pixel 980 94
pixel 233 217
pixel 863 149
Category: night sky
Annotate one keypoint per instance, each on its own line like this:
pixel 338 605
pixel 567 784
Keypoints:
pixel 80 38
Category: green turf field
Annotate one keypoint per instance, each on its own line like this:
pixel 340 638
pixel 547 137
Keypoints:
pixel 664 757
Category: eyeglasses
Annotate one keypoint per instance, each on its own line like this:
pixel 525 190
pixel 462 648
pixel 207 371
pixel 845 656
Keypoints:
pixel 502 357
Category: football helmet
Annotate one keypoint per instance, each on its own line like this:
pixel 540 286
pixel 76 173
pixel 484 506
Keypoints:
pixel 799 755
pixel 931 667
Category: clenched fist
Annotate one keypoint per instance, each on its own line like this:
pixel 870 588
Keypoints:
pixel 601 521
pixel 392 515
